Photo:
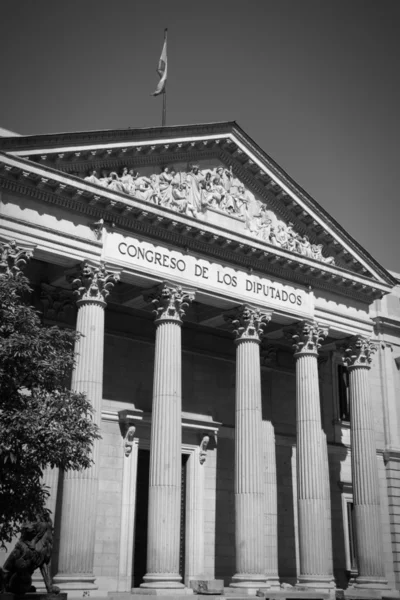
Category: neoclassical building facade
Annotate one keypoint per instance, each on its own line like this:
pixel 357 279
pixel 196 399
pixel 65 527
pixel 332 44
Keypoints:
pixel 241 352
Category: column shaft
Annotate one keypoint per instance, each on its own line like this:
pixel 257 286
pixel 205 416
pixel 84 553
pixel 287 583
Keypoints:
pixel 249 459
pixel 249 492
pixel 312 464
pixel 77 535
pixel 165 461
pixel 365 482
pixel 92 285
pixel 311 478
pixel 166 442
pixel 270 505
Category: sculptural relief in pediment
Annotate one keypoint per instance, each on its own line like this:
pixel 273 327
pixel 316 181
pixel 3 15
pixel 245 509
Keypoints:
pixel 212 193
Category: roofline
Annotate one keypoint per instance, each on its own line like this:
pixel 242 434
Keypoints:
pixel 50 141
pixel 31 142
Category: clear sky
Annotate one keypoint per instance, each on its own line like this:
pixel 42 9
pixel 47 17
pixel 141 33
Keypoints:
pixel 314 82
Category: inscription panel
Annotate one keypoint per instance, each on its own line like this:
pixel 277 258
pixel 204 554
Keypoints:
pixel 143 256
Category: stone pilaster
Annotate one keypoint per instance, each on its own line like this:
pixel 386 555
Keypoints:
pixel 371 571
pixel 315 556
pixel 166 442
pixel 249 472
pixel 270 506
pixel 77 535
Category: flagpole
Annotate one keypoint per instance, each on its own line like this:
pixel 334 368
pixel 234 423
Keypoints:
pixel 164 102
pixel 164 107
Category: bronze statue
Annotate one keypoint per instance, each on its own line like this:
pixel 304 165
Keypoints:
pixel 31 552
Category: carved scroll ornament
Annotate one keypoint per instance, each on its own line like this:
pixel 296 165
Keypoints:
pixel 169 302
pixel 13 259
pixel 128 440
pixel 248 322
pixel 357 352
pixel 203 449
pixel 92 283
pixel 306 337
pixel 195 192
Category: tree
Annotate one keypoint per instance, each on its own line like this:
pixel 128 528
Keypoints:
pixel 42 422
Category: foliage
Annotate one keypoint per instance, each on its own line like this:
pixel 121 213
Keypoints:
pixel 42 423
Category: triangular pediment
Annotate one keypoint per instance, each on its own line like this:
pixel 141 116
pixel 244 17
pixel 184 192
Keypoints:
pixel 213 176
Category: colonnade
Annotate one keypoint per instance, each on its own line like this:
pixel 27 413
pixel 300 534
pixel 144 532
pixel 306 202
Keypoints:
pixel 254 568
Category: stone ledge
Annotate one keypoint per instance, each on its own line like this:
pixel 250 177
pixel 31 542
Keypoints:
pixel 293 593
pixel 33 596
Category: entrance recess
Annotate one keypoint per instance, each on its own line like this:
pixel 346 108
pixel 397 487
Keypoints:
pixel 142 501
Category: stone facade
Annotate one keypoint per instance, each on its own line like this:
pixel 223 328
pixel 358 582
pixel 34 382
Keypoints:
pixel 233 443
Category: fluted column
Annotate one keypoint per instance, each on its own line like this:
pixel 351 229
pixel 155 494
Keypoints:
pixel 248 324
pixel 77 535
pixel 367 518
pixel 271 506
pixel 315 556
pixel 166 442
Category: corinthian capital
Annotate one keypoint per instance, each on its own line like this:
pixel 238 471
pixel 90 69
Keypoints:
pixel 307 336
pixel 248 322
pixel 13 259
pixel 92 283
pixel 170 301
pixel 357 352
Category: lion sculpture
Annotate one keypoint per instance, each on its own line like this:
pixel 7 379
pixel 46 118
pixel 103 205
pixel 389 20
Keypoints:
pixel 31 552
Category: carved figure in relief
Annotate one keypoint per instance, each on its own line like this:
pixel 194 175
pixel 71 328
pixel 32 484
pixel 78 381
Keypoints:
pixel 225 176
pixel 218 193
pixel 217 189
pixel 104 180
pixel 128 179
pixel 195 194
pixel 143 189
pixel 178 199
pixel 115 185
pixel 92 177
pixel 165 186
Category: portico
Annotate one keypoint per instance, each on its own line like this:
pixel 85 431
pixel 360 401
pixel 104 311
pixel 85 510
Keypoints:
pixel 203 354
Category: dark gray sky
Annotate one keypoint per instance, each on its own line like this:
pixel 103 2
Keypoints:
pixel 314 82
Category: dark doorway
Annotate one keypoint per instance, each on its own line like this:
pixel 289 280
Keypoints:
pixel 142 500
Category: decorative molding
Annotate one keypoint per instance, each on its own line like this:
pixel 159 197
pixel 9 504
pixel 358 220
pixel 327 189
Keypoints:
pixel 92 283
pixel 169 301
pixel 357 352
pixel 249 256
pixel 13 259
pixel 248 322
pixel 306 337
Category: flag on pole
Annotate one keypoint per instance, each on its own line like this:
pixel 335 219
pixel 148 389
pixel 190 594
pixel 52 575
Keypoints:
pixel 162 68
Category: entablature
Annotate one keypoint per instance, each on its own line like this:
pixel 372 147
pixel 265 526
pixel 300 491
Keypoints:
pixel 184 231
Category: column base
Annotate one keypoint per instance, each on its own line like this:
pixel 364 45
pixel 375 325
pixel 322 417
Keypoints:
pixel 75 582
pixel 273 582
pixel 246 583
pixel 375 583
pixel 294 594
pixel 162 581
pixel 315 583
pixel 370 588
pixel 165 591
